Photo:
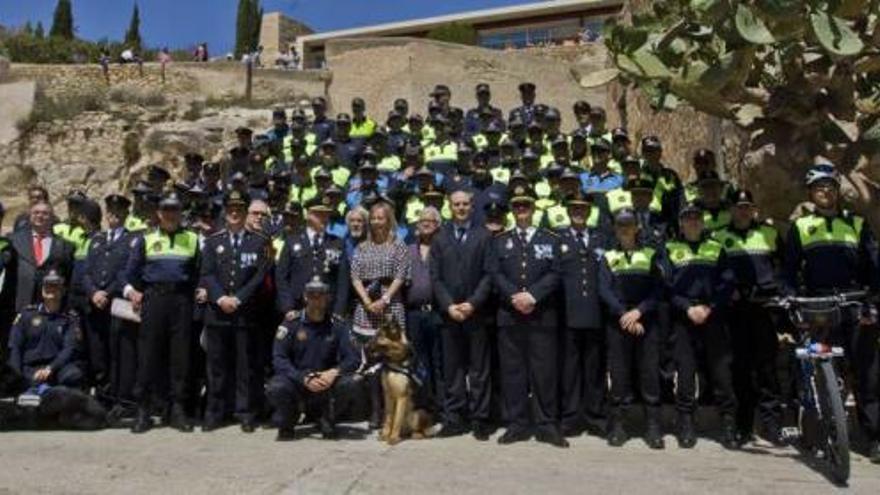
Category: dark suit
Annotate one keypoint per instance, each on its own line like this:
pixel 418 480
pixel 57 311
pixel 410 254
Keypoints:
pixel 528 343
pixel 458 275
pixel 299 263
pixel 29 275
pixel 7 292
pixel 583 361
pixel 106 259
pixel 232 339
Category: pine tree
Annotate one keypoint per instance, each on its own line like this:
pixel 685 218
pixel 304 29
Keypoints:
pixel 243 28
pixel 256 23
pixel 39 32
pixel 133 35
pixel 29 28
pixel 62 21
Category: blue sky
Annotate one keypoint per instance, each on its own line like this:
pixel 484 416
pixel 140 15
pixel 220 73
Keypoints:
pixel 183 23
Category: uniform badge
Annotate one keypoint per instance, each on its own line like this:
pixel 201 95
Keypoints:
pixel 133 243
pixel 156 247
pixel 281 333
pixel 509 244
pixel 220 249
pixel 564 248
pixel 301 335
pixel 36 321
pixel 543 252
pixel 297 247
pixel 333 255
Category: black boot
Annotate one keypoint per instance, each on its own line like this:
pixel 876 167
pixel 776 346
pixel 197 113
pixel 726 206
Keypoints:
pixel 143 422
pixel 327 421
pixel 686 435
pixel 376 402
pixel 654 435
pixel 728 433
pixel 179 420
pixel 617 435
pixel 286 433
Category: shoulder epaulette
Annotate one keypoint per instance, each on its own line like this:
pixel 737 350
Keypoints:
pixel 219 233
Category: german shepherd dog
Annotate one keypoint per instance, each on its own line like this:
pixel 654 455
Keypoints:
pixel 402 419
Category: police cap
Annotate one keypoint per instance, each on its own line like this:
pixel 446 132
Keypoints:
pixel 53 279
pixel 521 193
pixel 741 197
pixel 625 216
pixel 526 87
pixel 235 198
pixel 651 143
pixel 116 202
pixel 170 201
pixel 601 144
pixel 317 286
pixel 483 88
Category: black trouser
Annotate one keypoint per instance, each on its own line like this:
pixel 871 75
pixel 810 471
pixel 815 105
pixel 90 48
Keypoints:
pixel 467 367
pixel 626 353
pixel 863 354
pixel 423 329
pixel 233 373
pixel 666 350
pixel 164 345
pixel 583 376
pixel 706 344
pixel 124 336
pixel 755 349
pixel 529 354
pixel 98 323
pixel 287 396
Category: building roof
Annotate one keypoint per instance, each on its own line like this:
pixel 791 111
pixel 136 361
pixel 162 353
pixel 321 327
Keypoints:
pixel 473 17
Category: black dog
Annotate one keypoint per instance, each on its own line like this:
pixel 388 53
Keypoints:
pixel 61 408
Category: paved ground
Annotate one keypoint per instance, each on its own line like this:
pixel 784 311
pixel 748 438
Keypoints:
pixel 228 461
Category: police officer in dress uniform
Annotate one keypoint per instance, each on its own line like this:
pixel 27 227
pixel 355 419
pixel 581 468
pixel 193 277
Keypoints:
pixel 583 369
pixel 161 278
pixel 107 256
pixel 524 266
pixel 234 264
pixel 314 364
pixel 44 338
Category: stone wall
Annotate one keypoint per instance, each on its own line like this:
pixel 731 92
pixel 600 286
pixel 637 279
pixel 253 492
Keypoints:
pixel 278 32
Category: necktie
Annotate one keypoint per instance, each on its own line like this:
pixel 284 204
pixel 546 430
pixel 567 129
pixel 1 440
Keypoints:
pixel 523 237
pixel 236 241
pixel 460 234
pixel 580 238
pixel 316 241
pixel 38 249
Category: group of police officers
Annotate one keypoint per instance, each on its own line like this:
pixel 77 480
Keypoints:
pixel 565 261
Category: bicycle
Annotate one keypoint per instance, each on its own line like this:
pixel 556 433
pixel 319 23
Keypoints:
pixel 822 419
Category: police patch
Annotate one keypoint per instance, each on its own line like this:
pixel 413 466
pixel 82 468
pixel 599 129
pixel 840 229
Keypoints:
pixel 509 244
pixel 281 333
pixel 301 335
pixel 678 255
pixel 36 321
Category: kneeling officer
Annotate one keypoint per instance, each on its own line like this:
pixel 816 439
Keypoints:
pixel 314 364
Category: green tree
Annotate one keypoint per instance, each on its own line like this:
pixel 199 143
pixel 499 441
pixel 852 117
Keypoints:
pixel 256 23
pixel 39 32
pixel 62 21
pixel 133 35
pixel 801 77
pixel 28 28
pixel 455 32
pixel 243 28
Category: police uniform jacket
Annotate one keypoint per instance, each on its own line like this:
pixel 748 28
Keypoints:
pixel 532 267
pixel 754 255
pixel 106 260
pixel 40 338
pixel 631 280
pixel 300 262
pixel 579 266
pixel 697 273
pixel 828 254
pixel 238 273
pixel 159 257
pixel 302 347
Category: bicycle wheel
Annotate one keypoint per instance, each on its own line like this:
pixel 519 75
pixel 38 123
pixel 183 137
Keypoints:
pixel 833 421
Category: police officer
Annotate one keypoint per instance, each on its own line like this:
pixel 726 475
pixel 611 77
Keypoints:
pixel 474 116
pixel 161 278
pixel 583 370
pixel 44 338
pixel 699 284
pixel 234 264
pixel 314 364
pixel 667 184
pixel 754 253
pixel 307 254
pixel 834 250
pixel 630 284
pixel 525 112
pixel 107 257
pixel 524 266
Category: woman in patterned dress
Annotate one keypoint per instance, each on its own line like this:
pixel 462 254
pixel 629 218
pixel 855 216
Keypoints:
pixel 379 271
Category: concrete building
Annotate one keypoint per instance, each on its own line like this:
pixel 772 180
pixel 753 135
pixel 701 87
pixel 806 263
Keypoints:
pixel 536 23
pixel 278 33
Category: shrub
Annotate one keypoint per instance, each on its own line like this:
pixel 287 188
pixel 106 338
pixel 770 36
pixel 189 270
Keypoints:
pixel 454 32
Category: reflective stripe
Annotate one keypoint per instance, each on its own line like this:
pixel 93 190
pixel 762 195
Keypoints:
pixel 441 153
pixel 618 199
pixel 158 245
pixel 639 261
pixel 760 241
pixel 680 253
pixel 813 231
pixel 339 175
pixel 363 130
pixel 134 224
pixel 75 236
pixel 415 205
pixel 278 246
pixel 716 222
pixel 389 164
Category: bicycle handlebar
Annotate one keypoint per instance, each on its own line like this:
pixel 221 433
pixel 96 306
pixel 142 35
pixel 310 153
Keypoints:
pixel 850 298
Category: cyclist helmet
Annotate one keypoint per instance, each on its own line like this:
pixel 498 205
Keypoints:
pixel 821 172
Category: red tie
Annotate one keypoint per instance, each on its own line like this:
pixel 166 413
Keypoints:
pixel 38 249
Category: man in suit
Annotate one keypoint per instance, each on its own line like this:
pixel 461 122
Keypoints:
pixel 38 250
pixel 235 263
pixel 307 254
pixel 461 290
pixel 7 287
pixel 524 266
